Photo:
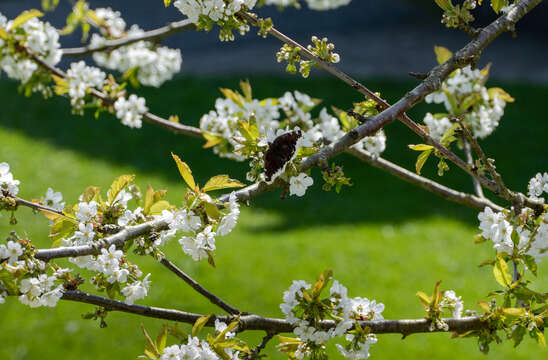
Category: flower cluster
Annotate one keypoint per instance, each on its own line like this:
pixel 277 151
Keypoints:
pixel 80 78
pixel 241 128
pixel 198 240
pixel 193 349
pixel 465 96
pixel 28 277
pixel 153 65
pixel 7 182
pixel 320 48
pixel 523 234
pixel 206 12
pixel 40 38
pixel 304 308
pixel 130 111
pixel 537 186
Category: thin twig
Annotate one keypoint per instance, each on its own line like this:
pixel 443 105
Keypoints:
pixel 199 288
pixel 36 206
pixel 470 160
pixel 262 345
pixel 151 35
pixel 272 325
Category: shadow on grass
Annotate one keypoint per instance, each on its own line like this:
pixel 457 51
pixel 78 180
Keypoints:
pixel 519 145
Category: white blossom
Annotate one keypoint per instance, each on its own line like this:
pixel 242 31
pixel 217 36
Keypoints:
pixel 54 200
pixel 130 111
pixel 137 290
pixel 7 182
pixel 298 184
pixel 86 211
pixel 537 186
pixel 11 252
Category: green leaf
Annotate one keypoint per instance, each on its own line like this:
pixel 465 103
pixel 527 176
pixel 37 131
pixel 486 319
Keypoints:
pixel 159 206
pixel 246 89
pixel 167 3
pixel 425 299
pixel 118 185
pixel 503 95
pixel 442 53
pixel 221 182
pixel 322 282
pixel 90 193
pixel 517 312
pixel 498 4
pixel 444 4
pixel 212 210
pixel 212 140
pixel 177 332
pixel 3 34
pixel 500 271
pixel 485 306
pixel 517 335
pixel 420 147
pixel 149 200
pixel 161 339
pixel 185 172
pixel 421 160
pixel 234 96
pixel 150 347
pixel 199 324
pixel 60 229
pixel 24 17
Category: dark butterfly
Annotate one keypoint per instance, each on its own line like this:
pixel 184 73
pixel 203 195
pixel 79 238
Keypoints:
pixel 279 152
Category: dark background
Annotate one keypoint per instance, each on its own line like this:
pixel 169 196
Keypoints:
pixel 374 38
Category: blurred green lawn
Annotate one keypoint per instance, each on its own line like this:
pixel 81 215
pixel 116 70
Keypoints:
pixel 384 239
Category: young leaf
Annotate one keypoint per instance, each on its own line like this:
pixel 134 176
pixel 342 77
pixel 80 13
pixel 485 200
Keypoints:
pixel 500 271
pixel 167 3
pixel 24 17
pixel 503 95
pixel 185 172
pixel 199 324
pixel 91 193
pixel 117 186
pixel 420 147
pixel 150 347
pixel 442 53
pixel 421 160
pixel 246 89
pixel 517 312
pixel 159 206
pixel 221 182
pixel 3 33
pixel 149 200
pixel 212 210
pixel 177 332
pixel 498 4
pixel 212 140
pixel 425 299
pixel 161 339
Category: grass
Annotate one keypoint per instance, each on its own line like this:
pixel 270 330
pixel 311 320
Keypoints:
pixel 384 239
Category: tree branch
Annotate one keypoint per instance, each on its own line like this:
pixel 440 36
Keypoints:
pixel 272 325
pixel 469 200
pixel 117 239
pixel 199 288
pixel 151 35
pixel 469 54
pixel 470 160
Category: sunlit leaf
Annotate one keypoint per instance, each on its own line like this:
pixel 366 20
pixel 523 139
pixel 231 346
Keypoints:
pixel 185 172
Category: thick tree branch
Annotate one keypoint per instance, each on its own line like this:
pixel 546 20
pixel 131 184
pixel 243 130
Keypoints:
pixel 468 54
pixel 199 288
pixel 151 35
pixel 272 325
